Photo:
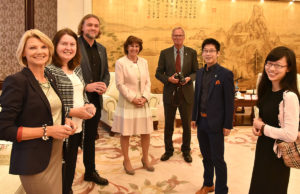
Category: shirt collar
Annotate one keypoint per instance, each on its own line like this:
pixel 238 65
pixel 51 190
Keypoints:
pixel 180 50
pixel 86 44
pixel 211 68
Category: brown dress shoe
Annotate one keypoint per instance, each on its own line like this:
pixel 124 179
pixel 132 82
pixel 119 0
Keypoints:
pixel 205 190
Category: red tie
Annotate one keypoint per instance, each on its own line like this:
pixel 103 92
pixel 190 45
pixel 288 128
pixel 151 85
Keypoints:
pixel 178 62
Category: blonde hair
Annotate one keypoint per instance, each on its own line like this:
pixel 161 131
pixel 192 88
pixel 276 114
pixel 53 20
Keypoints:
pixel 178 28
pixel 33 33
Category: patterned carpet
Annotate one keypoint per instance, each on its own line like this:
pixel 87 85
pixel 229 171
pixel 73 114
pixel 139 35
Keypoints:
pixel 174 175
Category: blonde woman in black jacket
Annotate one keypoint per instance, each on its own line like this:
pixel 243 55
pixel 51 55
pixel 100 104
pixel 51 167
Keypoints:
pixel 32 117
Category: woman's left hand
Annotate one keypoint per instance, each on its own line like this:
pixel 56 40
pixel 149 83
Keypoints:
pixel 71 123
pixel 90 108
pixel 140 102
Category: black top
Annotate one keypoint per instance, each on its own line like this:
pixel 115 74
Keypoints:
pixel 269 175
pixel 94 59
pixel 208 75
pixel 269 107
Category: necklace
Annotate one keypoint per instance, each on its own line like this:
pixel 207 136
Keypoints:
pixel 45 87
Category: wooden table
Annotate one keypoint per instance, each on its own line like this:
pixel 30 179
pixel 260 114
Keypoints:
pixel 243 103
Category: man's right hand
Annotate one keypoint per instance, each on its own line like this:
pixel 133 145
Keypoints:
pixel 99 87
pixel 193 124
pixel 173 80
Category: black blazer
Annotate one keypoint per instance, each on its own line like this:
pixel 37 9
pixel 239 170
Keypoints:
pixel 166 68
pixel 24 103
pixel 86 68
pixel 220 99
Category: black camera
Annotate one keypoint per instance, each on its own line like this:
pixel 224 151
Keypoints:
pixel 180 77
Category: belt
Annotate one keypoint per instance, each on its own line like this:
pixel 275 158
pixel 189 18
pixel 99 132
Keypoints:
pixel 203 114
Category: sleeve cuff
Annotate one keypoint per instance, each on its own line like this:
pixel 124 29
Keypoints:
pixel 19 134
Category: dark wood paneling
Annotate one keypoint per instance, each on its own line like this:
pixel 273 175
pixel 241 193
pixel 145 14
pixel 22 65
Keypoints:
pixel 29 14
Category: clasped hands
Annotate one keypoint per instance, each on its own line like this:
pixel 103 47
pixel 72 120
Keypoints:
pixel 99 87
pixel 139 102
pixel 173 80
pixel 257 126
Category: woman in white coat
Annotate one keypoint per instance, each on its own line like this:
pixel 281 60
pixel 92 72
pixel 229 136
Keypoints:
pixel 133 115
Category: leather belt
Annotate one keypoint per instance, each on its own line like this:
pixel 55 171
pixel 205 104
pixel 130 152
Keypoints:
pixel 203 114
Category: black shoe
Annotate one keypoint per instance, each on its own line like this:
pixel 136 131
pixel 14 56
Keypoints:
pixel 96 178
pixel 187 157
pixel 166 156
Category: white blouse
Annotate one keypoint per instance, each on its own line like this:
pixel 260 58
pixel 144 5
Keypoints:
pixel 78 101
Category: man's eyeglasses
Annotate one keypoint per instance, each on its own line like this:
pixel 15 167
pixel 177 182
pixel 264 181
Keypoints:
pixel 275 65
pixel 209 51
pixel 178 35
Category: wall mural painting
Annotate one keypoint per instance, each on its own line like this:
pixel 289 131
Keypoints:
pixel 247 30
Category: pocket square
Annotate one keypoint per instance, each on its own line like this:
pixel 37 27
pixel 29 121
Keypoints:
pixel 217 82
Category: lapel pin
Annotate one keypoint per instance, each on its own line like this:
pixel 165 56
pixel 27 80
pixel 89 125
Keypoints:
pixel 216 75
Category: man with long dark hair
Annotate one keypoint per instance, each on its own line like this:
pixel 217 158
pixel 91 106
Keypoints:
pixel 95 73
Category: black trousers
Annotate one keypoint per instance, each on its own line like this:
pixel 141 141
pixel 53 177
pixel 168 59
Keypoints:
pixel 69 166
pixel 91 130
pixel 212 149
pixel 185 110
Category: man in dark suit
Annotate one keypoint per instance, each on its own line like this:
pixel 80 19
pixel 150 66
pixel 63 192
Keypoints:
pixel 172 61
pixel 213 115
pixel 95 73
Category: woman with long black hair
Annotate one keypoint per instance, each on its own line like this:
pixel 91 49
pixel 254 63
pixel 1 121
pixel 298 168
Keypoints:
pixel 278 103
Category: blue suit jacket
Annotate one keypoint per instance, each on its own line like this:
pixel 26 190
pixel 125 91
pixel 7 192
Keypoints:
pixel 220 100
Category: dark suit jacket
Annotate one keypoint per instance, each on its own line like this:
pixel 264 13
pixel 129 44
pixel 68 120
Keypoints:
pixel 166 68
pixel 220 100
pixel 24 103
pixel 86 68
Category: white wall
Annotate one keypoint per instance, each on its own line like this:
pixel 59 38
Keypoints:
pixel 70 12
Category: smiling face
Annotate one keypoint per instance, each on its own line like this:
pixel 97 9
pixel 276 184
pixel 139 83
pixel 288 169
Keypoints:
pixel 91 28
pixel 36 52
pixel 133 49
pixel 66 48
pixel 276 70
pixel 178 38
pixel 210 54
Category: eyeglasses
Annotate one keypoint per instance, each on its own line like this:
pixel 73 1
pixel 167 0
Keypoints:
pixel 275 65
pixel 209 51
pixel 178 35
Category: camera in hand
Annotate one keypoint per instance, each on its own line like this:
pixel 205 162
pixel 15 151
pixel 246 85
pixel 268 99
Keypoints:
pixel 180 77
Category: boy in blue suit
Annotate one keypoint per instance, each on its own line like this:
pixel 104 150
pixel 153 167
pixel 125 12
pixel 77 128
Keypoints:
pixel 213 115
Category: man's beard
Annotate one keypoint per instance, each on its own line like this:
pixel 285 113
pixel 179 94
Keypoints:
pixel 90 36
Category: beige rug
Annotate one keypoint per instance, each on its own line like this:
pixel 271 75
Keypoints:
pixel 174 175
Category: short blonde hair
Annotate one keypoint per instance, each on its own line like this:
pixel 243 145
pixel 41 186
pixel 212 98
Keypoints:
pixel 178 28
pixel 36 34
